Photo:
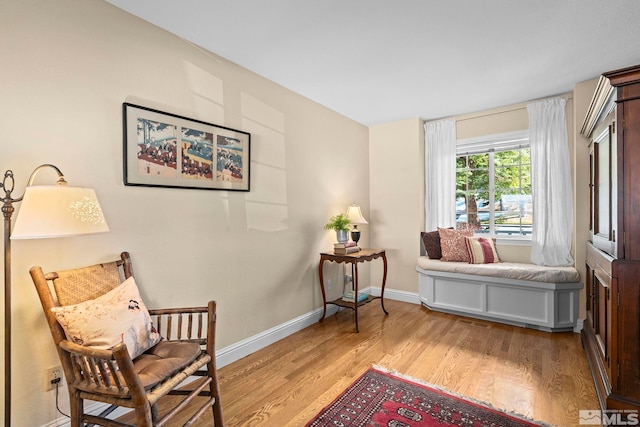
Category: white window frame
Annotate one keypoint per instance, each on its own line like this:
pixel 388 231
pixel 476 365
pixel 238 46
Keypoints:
pixel 490 143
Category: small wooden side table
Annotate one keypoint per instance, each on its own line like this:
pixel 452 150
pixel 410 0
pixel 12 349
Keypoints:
pixel 363 255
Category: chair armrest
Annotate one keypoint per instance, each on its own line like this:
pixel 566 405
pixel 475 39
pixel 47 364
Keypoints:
pixel 102 371
pixel 86 351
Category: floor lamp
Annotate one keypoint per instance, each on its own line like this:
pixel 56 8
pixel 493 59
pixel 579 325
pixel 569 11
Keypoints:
pixel 47 211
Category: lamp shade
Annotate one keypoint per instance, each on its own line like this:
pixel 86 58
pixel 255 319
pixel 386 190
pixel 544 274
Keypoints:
pixel 49 211
pixel 355 215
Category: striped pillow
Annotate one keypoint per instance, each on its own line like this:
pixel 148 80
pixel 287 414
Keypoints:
pixel 481 250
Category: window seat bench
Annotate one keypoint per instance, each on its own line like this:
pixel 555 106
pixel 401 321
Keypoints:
pixel 520 294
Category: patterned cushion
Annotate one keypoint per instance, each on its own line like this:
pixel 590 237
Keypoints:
pixel 117 316
pixel 452 242
pixel 481 250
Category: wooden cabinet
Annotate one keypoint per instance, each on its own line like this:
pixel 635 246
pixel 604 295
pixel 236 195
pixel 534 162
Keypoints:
pixel 611 333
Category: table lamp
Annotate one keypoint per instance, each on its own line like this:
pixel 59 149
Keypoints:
pixel 355 217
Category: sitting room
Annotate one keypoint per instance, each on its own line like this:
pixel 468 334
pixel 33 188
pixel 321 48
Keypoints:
pixel 424 114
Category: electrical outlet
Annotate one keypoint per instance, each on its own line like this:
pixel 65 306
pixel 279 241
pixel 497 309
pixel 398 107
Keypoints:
pixel 51 375
pixel 329 284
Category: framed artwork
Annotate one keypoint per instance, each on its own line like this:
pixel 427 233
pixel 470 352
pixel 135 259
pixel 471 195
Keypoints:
pixel 167 150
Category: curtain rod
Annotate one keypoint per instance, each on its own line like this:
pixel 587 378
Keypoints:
pixel 493 113
pixel 516 107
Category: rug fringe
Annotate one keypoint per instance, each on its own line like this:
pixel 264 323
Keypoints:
pixel 444 390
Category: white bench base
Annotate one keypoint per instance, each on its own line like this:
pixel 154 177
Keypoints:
pixel 547 306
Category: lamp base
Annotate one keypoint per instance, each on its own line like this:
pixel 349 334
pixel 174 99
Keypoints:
pixel 355 234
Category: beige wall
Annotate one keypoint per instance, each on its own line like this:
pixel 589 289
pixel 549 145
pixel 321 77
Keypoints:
pixel 67 67
pixel 396 159
pixel 491 122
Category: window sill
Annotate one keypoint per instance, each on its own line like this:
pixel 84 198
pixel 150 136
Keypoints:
pixel 514 241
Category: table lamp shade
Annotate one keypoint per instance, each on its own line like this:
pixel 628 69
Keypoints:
pixel 49 211
pixel 355 215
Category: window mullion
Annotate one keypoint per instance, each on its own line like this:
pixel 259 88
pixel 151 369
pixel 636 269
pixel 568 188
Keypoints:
pixel 492 215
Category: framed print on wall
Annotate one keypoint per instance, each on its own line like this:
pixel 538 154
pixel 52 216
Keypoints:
pixel 167 150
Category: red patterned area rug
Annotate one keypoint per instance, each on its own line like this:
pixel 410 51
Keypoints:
pixel 379 398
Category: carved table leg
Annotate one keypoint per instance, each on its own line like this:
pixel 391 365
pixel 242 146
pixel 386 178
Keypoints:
pixel 355 293
pixel 324 298
pixel 384 282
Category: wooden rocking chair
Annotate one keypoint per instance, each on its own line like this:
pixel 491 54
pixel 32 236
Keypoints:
pixel 111 376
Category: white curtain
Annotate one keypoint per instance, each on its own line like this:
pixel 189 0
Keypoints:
pixel 440 173
pixel 551 183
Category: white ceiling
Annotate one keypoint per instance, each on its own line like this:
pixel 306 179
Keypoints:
pixel 378 61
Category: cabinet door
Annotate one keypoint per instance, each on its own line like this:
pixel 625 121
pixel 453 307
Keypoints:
pixel 604 185
pixel 602 317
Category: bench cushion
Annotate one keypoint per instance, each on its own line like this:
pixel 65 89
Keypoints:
pixel 507 270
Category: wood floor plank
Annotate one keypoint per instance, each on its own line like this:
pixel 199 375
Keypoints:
pixel 538 374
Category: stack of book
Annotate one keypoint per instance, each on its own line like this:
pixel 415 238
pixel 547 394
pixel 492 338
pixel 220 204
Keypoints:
pixel 349 296
pixel 345 248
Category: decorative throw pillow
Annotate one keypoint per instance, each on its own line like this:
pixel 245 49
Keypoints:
pixel 481 250
pixel 452 242
pixel 431 242
pixel 117 316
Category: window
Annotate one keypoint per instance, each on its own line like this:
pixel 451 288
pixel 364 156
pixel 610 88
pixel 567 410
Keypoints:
pixel 493 185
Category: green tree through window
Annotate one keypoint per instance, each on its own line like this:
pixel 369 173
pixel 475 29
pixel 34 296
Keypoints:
pixel 493 192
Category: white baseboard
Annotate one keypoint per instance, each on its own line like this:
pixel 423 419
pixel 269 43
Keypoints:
pixel 58 422
pixel 396 295
pixel 252 344
pixel 237 351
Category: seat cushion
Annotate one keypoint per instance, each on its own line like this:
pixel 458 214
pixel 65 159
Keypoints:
pixel 507 270
pixel 163 360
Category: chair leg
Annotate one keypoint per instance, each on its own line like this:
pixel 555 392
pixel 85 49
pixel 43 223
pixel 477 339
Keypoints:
pixel 143 416
pixel 154 413
pixel 215 392
pixel 76 408
pixel 217 413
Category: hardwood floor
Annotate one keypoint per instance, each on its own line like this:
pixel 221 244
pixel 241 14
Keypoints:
pixel 538 374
